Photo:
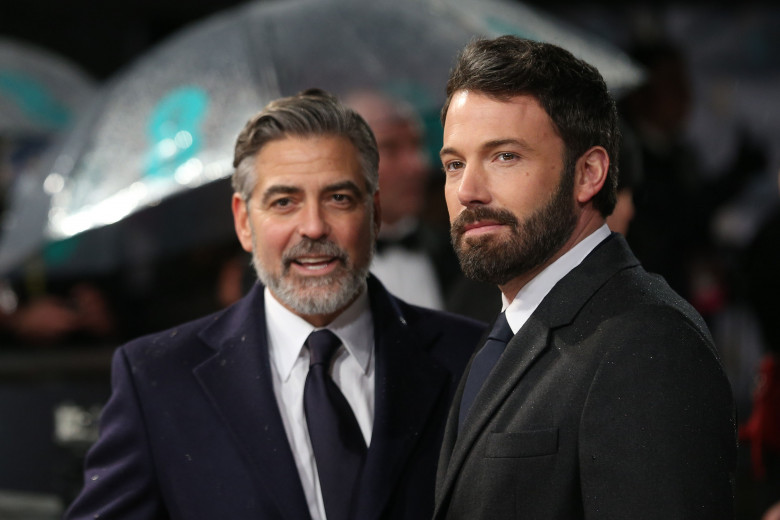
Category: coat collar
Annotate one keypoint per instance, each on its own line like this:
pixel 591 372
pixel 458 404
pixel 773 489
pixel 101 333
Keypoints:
pixel 237 381
pixel 557 309
pixel 408 385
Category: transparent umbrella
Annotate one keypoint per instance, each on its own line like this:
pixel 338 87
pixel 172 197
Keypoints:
pixel 40 93
pixel 167 123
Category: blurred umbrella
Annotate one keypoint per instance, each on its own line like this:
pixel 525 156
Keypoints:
pixel 40 92
pixel 168 123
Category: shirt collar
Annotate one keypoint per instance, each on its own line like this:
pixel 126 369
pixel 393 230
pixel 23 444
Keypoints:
pixel 531 295
pixel 287 332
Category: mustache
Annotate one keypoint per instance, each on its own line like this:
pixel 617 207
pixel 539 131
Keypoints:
pixel 320 247
pixel 471 215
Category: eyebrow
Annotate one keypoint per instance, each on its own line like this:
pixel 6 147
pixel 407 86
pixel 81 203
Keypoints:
pixel 491 145
pixel 281 189
pixel 344 185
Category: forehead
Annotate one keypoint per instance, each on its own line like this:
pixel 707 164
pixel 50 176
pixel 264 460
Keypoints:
pixel 307 161
pixel 474 118
pixel 399 131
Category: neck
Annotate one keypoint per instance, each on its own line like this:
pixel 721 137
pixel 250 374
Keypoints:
pixel 587 224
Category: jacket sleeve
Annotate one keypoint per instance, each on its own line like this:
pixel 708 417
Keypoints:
pixel 657 434
pixel 119 477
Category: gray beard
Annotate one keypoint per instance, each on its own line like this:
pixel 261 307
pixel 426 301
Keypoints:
pixel 314 295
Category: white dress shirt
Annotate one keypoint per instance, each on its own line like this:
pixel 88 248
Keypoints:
pixel 531 295
pixel 409 275
pixel 353 372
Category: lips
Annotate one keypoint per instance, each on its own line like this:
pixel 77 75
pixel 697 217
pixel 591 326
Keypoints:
pixel 481 226
pixel 481 220
pixel 314 256
pixel 314 263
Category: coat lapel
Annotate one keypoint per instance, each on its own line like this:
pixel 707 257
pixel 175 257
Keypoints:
pixel 558 308
pixel 408 385
pixel 237 380
pixel 521 351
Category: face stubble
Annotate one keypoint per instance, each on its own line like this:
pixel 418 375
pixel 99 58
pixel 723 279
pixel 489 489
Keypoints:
pixel 530 243
pixel 315 295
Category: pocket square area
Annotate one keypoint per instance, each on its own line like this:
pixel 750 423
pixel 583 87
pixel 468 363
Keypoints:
pixel 522 444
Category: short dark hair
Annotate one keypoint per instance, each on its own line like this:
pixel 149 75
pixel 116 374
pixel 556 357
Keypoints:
pixel 572 92
pixel 312 112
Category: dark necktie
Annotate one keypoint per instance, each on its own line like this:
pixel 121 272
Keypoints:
pixel 483 363
pixel 338 444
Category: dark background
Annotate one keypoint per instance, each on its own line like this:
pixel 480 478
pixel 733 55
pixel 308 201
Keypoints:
pixel 102 37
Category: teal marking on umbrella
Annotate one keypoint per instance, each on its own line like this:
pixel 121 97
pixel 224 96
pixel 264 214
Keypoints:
pixel 34 100
pixel 56 253
pixel 174 130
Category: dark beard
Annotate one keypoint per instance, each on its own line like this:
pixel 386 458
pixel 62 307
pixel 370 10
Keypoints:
pixel 541 235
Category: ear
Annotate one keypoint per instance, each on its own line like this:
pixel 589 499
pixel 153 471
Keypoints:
pixel 241 221
pixel 590 174
pixel 377 212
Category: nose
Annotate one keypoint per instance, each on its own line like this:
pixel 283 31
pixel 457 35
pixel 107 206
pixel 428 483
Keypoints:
pixel 473 188
pixel 313 224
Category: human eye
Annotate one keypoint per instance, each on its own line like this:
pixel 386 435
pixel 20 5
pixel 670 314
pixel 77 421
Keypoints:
pixel 342 199
pixel 453 166
pixel 506 156
pixel 281 203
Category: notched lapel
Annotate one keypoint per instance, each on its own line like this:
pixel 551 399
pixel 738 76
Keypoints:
pixel 558 308
pixel 237 380
pixel 521 351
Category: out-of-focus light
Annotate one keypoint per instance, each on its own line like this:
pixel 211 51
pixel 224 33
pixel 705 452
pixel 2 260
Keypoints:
pixel 218 170
pixel 54 183
pixel 108 211
pixel 189 172
pixel 166 148
pixel 183 139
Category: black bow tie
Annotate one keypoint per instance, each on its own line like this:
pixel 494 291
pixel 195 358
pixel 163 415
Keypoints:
pixel 410 242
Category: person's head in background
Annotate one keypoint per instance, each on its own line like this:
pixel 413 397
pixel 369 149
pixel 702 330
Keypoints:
pixel 659 108
pixel 629 178
pixel 403 165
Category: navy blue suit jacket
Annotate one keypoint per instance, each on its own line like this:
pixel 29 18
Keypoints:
pixel 193 431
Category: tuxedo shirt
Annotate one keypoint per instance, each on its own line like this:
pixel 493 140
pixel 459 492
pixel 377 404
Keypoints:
pixel 352 371
pixel 408 272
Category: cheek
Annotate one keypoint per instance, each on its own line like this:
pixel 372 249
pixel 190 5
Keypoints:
pixel 527 197
pixel 355 237
pixel 272 238
pixel 451 198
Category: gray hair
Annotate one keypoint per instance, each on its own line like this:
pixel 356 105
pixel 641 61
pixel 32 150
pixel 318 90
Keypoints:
pixel 312 112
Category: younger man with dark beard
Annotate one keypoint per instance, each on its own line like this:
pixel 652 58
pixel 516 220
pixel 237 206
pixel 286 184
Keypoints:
pixel 317 396
pixel 599 393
